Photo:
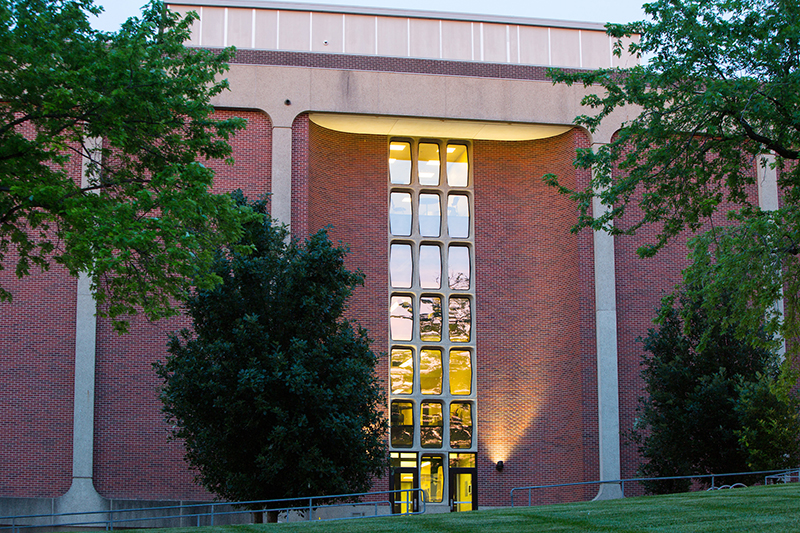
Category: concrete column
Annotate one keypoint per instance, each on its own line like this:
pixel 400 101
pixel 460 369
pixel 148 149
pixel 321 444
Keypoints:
pixel 607 374
pixel 82 495
pixel 767 178
pixel 281 199
pixel 767 183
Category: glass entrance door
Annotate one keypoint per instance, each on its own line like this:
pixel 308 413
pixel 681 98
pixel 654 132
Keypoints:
pixel 405 500
pixel 463 490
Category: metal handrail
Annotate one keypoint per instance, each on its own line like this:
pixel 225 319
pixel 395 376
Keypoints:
pixel 621 482
pixel 111 517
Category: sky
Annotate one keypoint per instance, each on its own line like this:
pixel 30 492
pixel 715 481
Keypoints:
pixel 117 11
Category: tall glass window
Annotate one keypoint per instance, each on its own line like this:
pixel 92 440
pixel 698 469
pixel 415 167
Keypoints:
pixel 432 393
pixel 432 478
pixel 400 163
pixel 402 373
pixel 402 423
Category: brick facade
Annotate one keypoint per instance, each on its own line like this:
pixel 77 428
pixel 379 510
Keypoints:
pixel 37 363
pixel 132 457
pixel 534 366
pixel 534 315
pixel 536 363
pixel 641 283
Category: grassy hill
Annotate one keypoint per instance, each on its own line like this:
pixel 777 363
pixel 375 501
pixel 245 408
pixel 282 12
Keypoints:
pixel 769 509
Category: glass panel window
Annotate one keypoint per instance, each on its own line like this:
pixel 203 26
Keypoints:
pixel 432 477
pixel 458 216
pixel 460 372
pixel 402 373
pixel 460 319
pixel 400 265
pixel 401 318
pixel 406 460
pixel 400 213
pixel 457 165
pixel 430 266
pixel 460 425
pixel 402 422
pixel 431 425
pixel 430 215
pixel 430 318
pixel 458 270
pixel 431 293
pixel 430 371
pixel 400 163
pixel 462 460
pixel 428 164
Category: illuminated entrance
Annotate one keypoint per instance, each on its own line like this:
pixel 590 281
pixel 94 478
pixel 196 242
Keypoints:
pixel 431 302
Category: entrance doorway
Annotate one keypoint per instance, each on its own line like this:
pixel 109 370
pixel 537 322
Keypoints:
pixel 404 478
pixel 463 489
pixel 405 500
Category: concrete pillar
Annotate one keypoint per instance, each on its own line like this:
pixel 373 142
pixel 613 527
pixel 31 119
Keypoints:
pixel 281 199
pixel 82 495
pixel 767 183
pixel 607 373
pixel 767 178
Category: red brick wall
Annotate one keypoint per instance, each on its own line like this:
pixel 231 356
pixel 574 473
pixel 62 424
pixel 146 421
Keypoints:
pixel 537 397
pixel 37 364
pixel 300 176
pixel 535 296
pixel 586 271
pixel 347 189
pixel 252 154
pixel 536 378
pixel 640 285
pixel 133 458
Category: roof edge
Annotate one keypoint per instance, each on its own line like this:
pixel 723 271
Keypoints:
pixel 389 12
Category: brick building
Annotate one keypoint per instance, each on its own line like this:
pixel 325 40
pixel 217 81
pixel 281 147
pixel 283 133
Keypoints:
pixel 508 342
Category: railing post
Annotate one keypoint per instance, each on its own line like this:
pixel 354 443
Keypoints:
pixel 212 514
pixel 309 509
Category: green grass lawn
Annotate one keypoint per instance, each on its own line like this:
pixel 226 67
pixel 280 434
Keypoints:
pixel 774 508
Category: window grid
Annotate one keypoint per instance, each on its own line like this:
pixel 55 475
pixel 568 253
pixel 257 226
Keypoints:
pixel 453 194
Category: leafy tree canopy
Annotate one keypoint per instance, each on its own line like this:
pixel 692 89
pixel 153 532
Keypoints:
pixel 274 394
pixel 145 223
pixel 719 90
pixel 711 407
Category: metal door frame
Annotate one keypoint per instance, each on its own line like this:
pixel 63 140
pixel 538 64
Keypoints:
pixel 451 481
pixel 396 501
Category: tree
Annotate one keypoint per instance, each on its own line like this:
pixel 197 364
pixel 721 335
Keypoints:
pixel 713 403
pixel 135 104
pixel 719 91
pixel 274 394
